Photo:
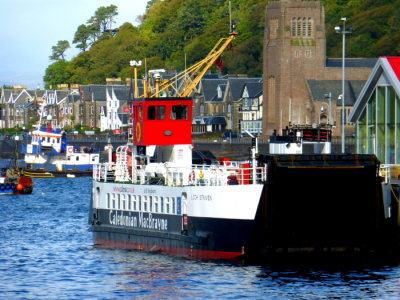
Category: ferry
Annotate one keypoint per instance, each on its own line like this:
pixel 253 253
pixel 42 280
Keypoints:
pixel 151 196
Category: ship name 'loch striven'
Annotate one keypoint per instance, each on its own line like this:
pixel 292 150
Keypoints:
pixel 147 222
pixel 202 197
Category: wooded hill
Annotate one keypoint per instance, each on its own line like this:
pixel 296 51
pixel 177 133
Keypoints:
pixel 171 30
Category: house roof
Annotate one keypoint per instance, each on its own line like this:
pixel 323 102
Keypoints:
pixel 318 89
pixel 25 105
pixel 387 70
pixel 351 62
pixel 99 91
pixel 255 89
pixel 210 87
pixel 237 85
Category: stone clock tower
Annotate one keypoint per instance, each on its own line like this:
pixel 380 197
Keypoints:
pixel 294 51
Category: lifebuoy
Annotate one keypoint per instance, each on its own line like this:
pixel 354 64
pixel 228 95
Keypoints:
pixel 70 149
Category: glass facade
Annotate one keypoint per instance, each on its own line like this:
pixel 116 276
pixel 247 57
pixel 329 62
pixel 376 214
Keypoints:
pixel 378 127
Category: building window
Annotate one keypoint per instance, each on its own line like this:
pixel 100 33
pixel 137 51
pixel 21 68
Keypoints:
pixel 307 53
pixel 298 29
pixel 294 26
pixel 301 27
pixel 202 110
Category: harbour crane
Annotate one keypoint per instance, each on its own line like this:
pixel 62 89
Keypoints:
pixel 184 83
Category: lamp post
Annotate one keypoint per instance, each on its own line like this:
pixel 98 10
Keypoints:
pixel 342 30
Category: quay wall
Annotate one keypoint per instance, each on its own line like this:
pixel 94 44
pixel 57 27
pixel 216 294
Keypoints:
pixel 236 148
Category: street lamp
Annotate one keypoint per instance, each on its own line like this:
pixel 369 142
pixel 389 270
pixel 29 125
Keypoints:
pixel 342 30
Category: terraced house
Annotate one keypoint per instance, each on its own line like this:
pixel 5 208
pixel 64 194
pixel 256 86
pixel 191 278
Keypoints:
pixel 223 104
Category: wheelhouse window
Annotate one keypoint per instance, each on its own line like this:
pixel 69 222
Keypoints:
pixel 138 113
pixel 179 112
pixel 156 112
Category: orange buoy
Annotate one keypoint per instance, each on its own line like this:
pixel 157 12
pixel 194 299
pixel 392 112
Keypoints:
pixel 20 187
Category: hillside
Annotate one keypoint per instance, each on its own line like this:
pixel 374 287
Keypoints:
pixel 171 30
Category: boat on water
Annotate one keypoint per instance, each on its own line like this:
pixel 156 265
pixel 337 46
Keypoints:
pixel 50 155
pixel 152 196
pixel 14 182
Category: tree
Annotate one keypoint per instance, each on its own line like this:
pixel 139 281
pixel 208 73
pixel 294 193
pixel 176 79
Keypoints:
pixel 59 50
pixel 57 73
pixel 103 20
pixel 82 37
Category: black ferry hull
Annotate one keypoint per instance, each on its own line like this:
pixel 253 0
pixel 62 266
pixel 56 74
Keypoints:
pixel 221 242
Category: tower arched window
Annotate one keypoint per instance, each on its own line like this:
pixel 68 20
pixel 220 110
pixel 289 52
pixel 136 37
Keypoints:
pixel 304 27
pixel 309 27
pixel 298 29
pixel 294 26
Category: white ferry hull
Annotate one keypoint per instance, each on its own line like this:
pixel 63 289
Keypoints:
pixel 204 222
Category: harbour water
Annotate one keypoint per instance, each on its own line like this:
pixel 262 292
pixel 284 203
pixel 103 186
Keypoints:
pixel 46 252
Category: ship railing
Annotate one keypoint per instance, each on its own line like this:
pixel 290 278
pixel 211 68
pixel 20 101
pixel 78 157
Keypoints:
pixel 104 172
pixel 197 175
pixel 390 172
pixel 235 173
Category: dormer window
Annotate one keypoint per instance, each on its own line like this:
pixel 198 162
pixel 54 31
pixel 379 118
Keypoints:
pixel 219 92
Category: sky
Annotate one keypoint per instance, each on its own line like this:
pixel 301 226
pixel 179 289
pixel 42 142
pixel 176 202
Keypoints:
pixel 29 29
